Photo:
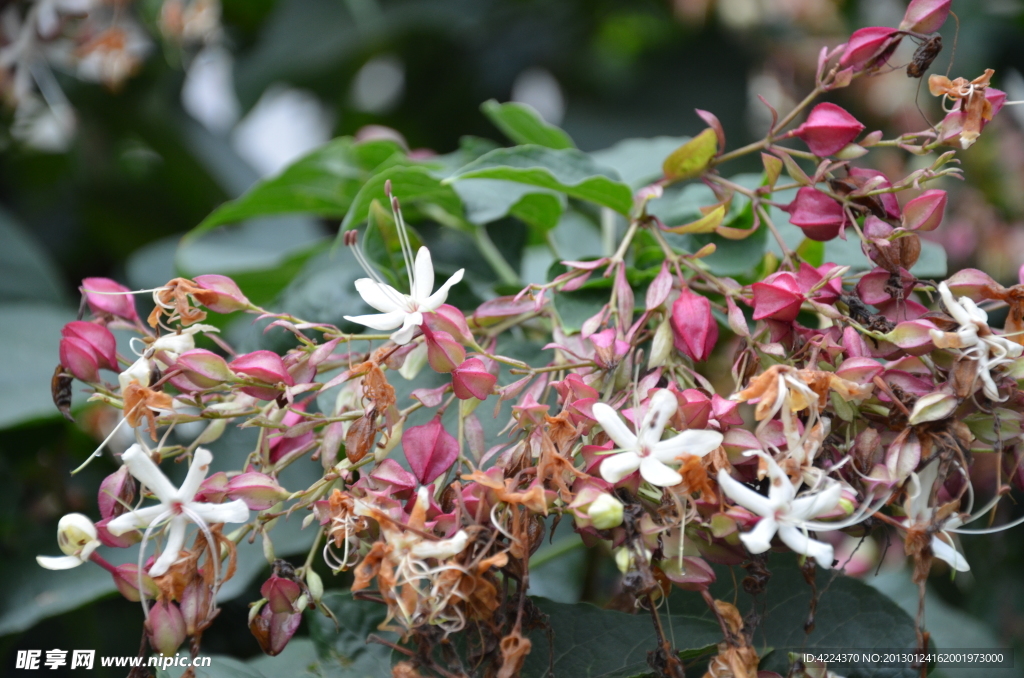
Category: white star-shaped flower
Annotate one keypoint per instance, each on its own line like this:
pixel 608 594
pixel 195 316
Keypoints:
pixel 976 340
pixel 399 310
pixel 920 514
pixel 646 450
pixel 784 512
pixel 177 505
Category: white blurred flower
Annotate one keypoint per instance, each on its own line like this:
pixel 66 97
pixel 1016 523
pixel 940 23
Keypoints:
pixel 209 91
pixel 284 125
pixel 76 536
pixel 646 450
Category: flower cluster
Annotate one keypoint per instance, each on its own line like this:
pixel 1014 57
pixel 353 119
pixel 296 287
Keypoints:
pixel 859 396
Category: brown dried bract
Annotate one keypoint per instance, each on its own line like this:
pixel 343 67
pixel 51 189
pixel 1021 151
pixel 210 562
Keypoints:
pixel 514 648
pixel 973 102
pixel 174 300
pixel 139 403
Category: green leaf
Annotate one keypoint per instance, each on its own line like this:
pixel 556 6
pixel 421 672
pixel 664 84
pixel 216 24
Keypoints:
pixel 26 271
pixel 590 642
pixel 539 211
pixel 344 652
pixel 567 170
pixel 638 161
pixel 574 308
pixel 324 183
pixel 30 333
pixel 488 200
pixel 523 125
pixel 411 185
pixel 692 158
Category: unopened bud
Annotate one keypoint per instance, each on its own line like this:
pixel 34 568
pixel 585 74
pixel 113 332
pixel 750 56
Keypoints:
pixel 472 380
pixel 695 329
pixel 105 296
pixel 868 45
pixel 166 627
pixel 265 366
pixel 925 16
pixel 924 213
pixel 829 128
pixel 258 490
pixel 444 353
pixel 933 407
pixel 816 214
pixel 661 345
pixel 224 295
pixel 204 368
pixel 605 512
pixel 778 297
pixel 117 492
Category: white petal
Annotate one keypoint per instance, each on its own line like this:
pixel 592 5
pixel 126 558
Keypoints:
pixel 781 490
pixel 952 307
pixel 445 548
pixel 660 409
pixel 384 298
pixel 379 321
pixel 232 512
pixel 148 473
pixel 656 473
pixel 423 276
pixel 617 466
pixel 432 302
pixel 172 551
pixel 58 562
pixel 404 335
pixel 759 539
pixel 745 496
pixel 797 539
pixel 813 505
pixel 695 442
pixel 613 426
pixel 138 371
pixel 136 520
pixel 976 314
pixel 944 551
pixel 175 343
pixel 196 474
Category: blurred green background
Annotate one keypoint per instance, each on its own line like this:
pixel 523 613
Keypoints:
pixel 198 124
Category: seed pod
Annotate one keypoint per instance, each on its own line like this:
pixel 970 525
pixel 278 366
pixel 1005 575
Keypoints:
pixel 360 437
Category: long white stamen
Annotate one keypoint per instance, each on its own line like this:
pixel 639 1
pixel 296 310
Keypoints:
pixel 142 558
pixel 106 440
pixel 403 238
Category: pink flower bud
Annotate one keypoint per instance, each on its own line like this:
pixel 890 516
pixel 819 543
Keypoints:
pixel 126 579
pixel 121 541
pixel 443 352
pixel 472 380
pixel 258 490
pixel 913 336
pixel 449 319
pixel 695 329
pixel 694 575
pixel 924 213
pixel 214 489
pixel 609 347
pixel 390 473
pixel 105 296
pixel 869 45
pixel 925 16
pixel 78 357
pixel 658 290
pixel 817 215
pixel 278 620
pixel 777 297
pixel 808 277
pixel 226 296
pixel 99 340
pixel 117 492
pixel 860 370
pixel 265 366
pixel 204 368
pixel 430 450
pixel 828 129
pixel 196 604
pixel 166 627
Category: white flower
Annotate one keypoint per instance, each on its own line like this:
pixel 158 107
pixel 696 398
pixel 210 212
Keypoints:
pixel 784 512
pixel 975 339
pixel 920 514
pixel 403 310
pixel 647 451
pixel 177 505
pixel 76 536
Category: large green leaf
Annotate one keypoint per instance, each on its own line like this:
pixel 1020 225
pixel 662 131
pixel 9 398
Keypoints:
pixel 488 200
pixel 30 334
pixel 523 125
pixel 344 652
pixel 323 183
pixel 638 161
pixel 566 170
pixel 411 185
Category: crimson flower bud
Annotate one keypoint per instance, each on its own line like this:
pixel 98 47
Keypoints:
pixel 828 129
pixel 867 45
pixel 695 329
pixel 864 176
pixel 659 289
pixel 99 339
pixel 449 319
pixel 204 368
pixel 105 296
pixel 226 297
pixel 120 541
pixel 258 490
pixel 817 215
pixel 777 297
pixel 265 366
pixel 77 356
pixel 430 450
pixel 924 213
pixel 975 284
pixel 444 353
pixel 117 492
pixel 925 16
pixel 472 380
pixel 166 627
pixel 278 620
